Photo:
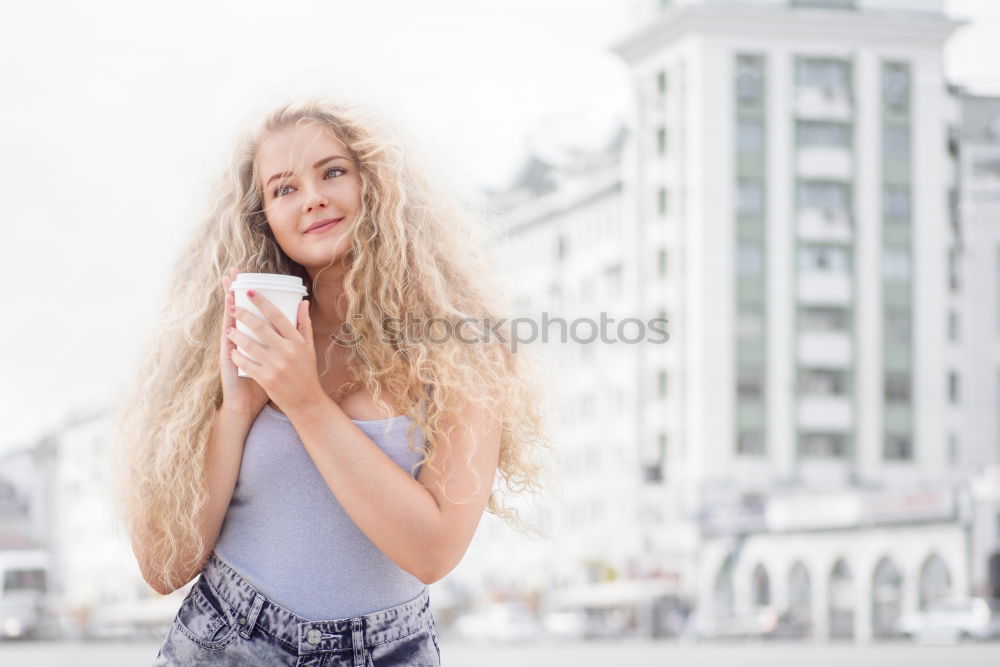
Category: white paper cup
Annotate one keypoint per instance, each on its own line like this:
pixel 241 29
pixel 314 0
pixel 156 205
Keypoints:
pixel 284 291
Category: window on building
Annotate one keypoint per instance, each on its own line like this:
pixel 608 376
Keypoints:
pixel 822 134
pixel 562 247
pixel 750 320
pixel 830 75
pixel 750 199
pixel 661 84
pixel 897 387
pixel 898 447
pixel 896 86
pixel 954 268
pixel 749 80
pixel 825 258
pixel 954 206
pixel 898 327
pixel 750 383
pixel 750 443
pixel 823 381
pixel 750 136
pixel 652 473
pixel 823 318
pixel 749 258
pixel 896 142
pixel 896 202
pixel 822 445
pixel 831 198
pixel 953 326
pixel 896 265
pixel 954 453
pixel 661 262
pixel 661 141
pixel 987 169
pixel 953 386
pixel 661 201
pixel 661 384
pixel 661 445
pixel 613 279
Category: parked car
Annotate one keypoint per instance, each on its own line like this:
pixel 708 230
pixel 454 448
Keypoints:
pixel 24 600
pixel 748 623
pixel 507 621
pixel 953 619
pixel 565 625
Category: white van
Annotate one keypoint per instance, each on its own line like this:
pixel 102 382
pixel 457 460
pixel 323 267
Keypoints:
pixel 24 586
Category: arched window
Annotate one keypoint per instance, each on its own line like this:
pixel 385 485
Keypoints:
pixel 761 589
pixel 841 602
pixel 887 596
pixel 800 598
pixel 722 591
pixel 935 580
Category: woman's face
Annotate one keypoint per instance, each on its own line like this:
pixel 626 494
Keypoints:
pixel 307 176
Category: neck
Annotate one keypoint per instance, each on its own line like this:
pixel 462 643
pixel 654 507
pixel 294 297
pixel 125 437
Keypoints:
pixel 328 303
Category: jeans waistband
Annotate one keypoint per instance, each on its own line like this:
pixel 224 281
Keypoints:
pixel 252 610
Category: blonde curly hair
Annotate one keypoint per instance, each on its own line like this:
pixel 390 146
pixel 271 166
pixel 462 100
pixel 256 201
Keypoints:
pixel 417 250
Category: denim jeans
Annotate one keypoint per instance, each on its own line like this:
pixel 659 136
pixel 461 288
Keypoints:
pixel 223 620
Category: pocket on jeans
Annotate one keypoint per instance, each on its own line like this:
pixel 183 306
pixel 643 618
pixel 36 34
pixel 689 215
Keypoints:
pixel 201 617
pixel 418 649
pixel 434 636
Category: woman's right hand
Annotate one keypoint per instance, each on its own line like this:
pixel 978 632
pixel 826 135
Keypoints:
pixel 239 394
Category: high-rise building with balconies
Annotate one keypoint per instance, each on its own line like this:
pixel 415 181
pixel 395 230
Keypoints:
pixel 809 176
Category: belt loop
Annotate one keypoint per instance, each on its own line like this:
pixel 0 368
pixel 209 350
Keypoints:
pixel 358 640
pixel 251 620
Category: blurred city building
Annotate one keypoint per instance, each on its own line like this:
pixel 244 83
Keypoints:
pixel 801 194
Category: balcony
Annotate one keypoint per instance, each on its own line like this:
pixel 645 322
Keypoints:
pixel 823 102
pixel 824 287
pixel 833 348
pixel 824 163
pixel 832 226
pixel 825 413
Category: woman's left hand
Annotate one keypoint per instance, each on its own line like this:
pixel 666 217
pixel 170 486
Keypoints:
pixel 284 364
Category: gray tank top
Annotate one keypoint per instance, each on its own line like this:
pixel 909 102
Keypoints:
pixel 287 534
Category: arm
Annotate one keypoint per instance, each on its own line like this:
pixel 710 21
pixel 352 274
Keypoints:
pixel 408 519
pixel 223 456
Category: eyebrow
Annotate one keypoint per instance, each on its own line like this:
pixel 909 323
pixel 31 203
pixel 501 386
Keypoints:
pixel 315 166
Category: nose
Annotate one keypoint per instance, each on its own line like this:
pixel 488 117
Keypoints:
pixel 314 199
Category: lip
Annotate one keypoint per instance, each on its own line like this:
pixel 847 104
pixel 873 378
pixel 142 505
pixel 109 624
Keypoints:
pixel 323 225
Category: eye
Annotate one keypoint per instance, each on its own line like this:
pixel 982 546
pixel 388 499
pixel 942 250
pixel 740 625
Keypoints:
pixel 281 190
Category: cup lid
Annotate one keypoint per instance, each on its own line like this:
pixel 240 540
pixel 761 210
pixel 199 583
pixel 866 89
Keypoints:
pixel 275 281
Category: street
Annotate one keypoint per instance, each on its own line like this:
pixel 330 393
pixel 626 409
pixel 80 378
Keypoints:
pixel 552 654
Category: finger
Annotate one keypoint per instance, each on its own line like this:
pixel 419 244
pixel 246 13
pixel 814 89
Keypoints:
pixel 247 365
pixel 271 312
pixel 245 342
pixel 267 335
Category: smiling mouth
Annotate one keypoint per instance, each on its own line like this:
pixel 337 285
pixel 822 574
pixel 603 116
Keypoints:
pixel 323 228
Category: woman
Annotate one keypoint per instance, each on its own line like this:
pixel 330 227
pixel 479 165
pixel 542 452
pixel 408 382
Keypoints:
pixel 320 496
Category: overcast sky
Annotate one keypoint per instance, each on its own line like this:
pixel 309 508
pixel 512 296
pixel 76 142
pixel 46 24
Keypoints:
pixel 116 114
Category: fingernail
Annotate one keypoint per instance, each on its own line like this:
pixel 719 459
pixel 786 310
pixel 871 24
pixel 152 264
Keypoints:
pixel 250 292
